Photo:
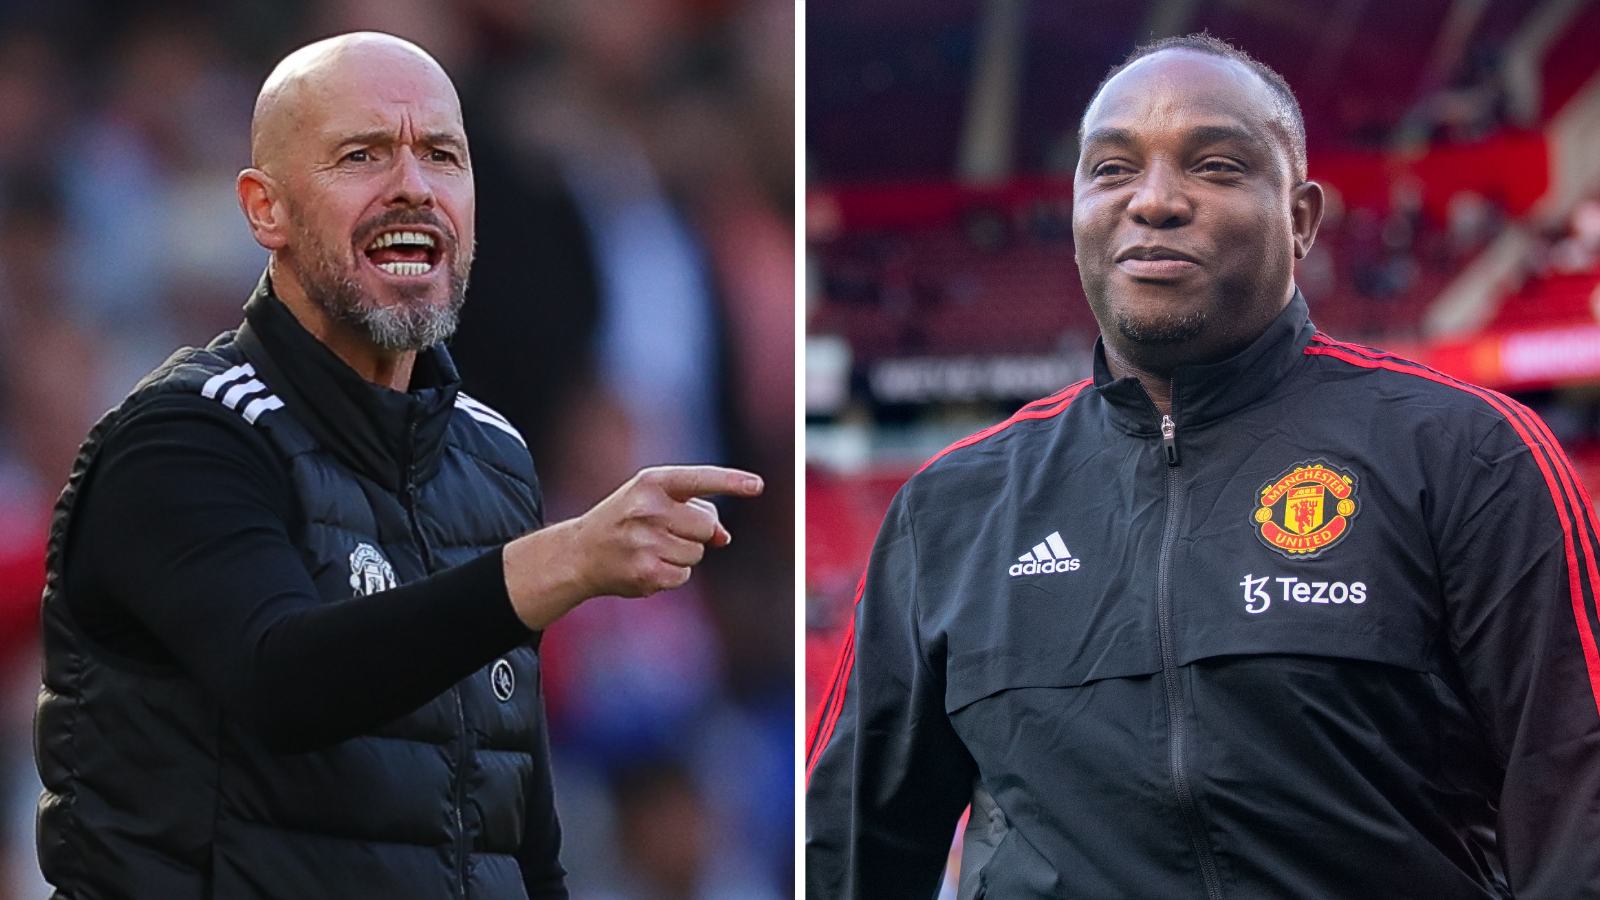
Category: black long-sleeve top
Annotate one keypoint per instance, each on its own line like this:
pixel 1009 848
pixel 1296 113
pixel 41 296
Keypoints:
pixel 185 559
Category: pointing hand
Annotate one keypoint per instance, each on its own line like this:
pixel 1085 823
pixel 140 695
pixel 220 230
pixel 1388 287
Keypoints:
pixel 646 537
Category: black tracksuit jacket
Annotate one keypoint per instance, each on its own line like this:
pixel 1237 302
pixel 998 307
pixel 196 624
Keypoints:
pixel 1334 636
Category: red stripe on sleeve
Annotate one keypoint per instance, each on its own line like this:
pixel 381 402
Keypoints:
pixel 1036 410
pixel 834 703
pixel 1558 484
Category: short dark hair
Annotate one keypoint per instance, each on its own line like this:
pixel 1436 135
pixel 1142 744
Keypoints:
pixel 1204 42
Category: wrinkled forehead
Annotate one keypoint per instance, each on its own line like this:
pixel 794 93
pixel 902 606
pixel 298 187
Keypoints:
pixel 1173 88
pixel 362 96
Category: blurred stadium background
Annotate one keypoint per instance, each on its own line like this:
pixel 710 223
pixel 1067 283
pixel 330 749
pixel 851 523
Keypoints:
pixel 1458 141
pixel 631 304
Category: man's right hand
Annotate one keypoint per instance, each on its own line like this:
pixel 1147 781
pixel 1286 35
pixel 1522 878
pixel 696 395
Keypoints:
pixel 646 537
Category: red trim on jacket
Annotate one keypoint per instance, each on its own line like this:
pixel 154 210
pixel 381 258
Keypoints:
pixel 1035 410
pixel 833 704
pixel 1558 474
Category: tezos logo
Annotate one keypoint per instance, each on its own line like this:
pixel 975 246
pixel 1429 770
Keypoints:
pixel 369 571
pixel 1307 509
pixel 1257 599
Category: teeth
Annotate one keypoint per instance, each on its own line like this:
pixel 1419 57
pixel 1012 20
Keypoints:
pixel 390 238
pixel 405 268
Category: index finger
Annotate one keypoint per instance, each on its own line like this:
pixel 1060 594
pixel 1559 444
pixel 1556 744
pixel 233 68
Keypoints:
pixel 684 482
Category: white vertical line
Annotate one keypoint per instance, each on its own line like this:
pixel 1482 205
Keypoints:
pixel 799 448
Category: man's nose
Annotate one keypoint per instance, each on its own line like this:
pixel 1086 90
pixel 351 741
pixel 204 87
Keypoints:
pixel 410 186
pixel 1158 198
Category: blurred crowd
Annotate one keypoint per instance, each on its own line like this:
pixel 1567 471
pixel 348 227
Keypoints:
pixel 632 304
pixel 1571 246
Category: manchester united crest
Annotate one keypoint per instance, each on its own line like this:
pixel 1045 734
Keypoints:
pixel 1307 509
pixel 369 571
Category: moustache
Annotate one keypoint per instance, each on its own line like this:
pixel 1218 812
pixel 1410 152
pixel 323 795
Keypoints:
pixel 395 218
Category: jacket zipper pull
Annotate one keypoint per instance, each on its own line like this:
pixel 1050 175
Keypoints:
pixel 1169 439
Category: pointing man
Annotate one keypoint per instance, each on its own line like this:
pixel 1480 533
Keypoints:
pixel 1332 631
pixel 295 586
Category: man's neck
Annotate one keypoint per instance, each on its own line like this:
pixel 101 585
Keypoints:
pixel 1157 385
pixel 381 366
pixel 1155 371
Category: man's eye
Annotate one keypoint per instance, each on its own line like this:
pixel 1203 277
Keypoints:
pixel 1110 170
pixel 358 156
pixel 442 156
pixel 1219 165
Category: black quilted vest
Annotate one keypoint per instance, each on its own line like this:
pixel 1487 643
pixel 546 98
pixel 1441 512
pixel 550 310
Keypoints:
pixel 151 791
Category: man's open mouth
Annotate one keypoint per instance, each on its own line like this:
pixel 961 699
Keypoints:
pixel 404 252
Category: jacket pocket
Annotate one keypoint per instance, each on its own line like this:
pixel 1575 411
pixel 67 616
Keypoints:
pixel 972 676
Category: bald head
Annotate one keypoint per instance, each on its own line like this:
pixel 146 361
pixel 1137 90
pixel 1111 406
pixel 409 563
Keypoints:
pixel 311 79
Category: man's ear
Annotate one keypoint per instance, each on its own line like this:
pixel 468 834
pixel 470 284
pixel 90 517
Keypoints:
pixel 258 198
pixel 1305 214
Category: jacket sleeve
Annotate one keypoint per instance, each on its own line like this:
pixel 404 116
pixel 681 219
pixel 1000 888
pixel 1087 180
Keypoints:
pixel 887 776
pixel 1519 572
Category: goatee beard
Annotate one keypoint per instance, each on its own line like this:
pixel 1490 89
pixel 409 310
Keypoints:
pixel 1174 330
pixel 411 323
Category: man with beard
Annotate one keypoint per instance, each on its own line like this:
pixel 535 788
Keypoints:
pixel 1252 613
pixel 295 583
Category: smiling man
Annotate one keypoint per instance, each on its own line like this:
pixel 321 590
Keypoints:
pixel 1253 613
pixel 297 579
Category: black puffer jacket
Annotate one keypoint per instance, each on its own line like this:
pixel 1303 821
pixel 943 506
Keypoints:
pixel 1334 636
pixel 171 784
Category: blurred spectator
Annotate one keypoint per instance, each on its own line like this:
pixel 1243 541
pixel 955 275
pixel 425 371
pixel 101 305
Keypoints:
pixel 48 367
pixel 665 829
pixel 148 177
pixel 1579 251
pixel 1473 220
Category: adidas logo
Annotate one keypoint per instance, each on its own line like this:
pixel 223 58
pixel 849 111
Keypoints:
pixel 1049 555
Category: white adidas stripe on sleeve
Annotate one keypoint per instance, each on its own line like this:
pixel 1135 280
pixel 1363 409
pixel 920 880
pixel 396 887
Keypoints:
pixel 487 416
pixel 216 382
pixel 241 382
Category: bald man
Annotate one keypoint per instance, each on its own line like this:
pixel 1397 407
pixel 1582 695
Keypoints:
pixel 298 578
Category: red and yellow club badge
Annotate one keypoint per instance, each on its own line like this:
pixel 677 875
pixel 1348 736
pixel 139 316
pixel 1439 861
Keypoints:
pixel 1307 509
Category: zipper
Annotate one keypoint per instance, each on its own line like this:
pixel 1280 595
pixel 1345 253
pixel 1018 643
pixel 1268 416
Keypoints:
pixel 408 499
pixel 1177 735
pixel 461 762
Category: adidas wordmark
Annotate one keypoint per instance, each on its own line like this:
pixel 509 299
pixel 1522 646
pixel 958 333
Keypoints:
pixel 1048 556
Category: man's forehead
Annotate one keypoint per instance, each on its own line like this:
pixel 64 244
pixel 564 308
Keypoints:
pixel 353 84
pixel 1172 85
pixel 376 101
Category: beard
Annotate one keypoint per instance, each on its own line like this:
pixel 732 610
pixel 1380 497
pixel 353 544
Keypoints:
pixel 1168 330
pixel 412 322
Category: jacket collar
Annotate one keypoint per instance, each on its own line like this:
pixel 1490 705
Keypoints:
pixel 393 437
pixel 1204 393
